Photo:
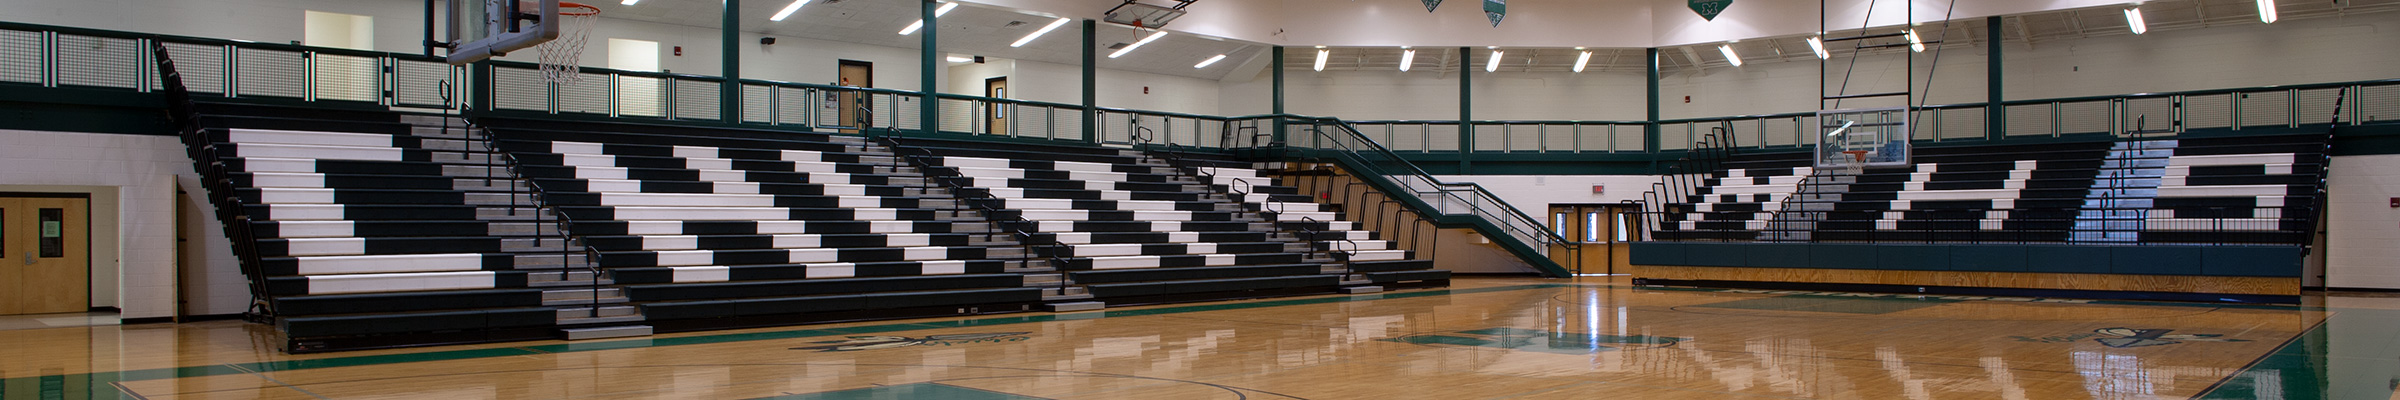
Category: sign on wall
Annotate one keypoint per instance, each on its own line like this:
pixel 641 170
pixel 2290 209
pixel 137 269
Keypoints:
pixel 1496 9
pixel 1708 9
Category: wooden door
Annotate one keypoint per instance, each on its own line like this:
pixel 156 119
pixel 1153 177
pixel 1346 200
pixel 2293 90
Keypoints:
pixel 995 115
pixel 855 105
pixel 1600 232
pixel 45 253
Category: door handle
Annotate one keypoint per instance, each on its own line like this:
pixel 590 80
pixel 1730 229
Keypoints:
pixel 28 258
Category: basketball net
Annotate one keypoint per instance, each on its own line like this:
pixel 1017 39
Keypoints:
pixel 562 57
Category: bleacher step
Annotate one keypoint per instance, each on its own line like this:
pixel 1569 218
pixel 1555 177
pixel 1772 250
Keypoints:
pixel 606 332
pixel 1358 282
pixel 1360 289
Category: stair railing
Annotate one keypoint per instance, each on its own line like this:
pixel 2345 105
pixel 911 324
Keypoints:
pixel 217 183
pixel 533 193
pixel 1469 204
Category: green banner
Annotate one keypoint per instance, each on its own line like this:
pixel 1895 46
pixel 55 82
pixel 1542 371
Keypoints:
pixel 1430 4
pixel 1495 9
pixel 1708 9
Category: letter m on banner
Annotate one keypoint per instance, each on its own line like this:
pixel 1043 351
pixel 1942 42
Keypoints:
pixel 1495 9
pixel 1708 9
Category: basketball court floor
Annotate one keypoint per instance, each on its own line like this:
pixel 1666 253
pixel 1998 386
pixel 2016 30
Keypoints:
pixel 1484 338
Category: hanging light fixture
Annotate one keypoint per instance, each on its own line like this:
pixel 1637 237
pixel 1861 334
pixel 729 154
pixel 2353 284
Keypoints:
pixel 1408 57
pixel 1736 59
pixel 1582 59
pixel 1494 64
pixel 1817 44
pixel 2133 18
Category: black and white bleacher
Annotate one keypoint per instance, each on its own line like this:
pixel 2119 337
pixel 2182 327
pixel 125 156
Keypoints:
pixel 369 227
pixel 2259 189
pixel 715 228
pixel 1136 229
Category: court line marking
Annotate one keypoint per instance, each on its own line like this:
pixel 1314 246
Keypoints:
pixel 100 378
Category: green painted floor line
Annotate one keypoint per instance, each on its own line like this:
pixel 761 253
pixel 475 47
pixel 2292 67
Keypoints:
pixel 96 381
pixel 2305 367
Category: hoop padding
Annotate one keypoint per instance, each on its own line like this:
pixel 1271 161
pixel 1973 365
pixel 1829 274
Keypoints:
pixel 561 58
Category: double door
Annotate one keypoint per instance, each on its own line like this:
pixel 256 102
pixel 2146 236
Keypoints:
pixel 1600 231
pixel 45 253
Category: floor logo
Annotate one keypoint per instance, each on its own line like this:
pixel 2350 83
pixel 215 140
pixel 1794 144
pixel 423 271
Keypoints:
pixel 857 343
pixel 1536 340
pixel 2131 337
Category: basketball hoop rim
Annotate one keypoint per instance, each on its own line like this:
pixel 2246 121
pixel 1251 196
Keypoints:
pixel 573 9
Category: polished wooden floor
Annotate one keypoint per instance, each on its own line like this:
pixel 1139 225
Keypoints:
pixel 1484 338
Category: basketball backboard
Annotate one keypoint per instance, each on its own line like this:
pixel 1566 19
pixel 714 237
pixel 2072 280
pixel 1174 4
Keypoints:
pixel 505 26
pixel 1872 137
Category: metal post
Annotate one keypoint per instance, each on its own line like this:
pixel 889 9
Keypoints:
pixel 1278 89
pixel 1995 115
pixel 930 114
pixel 1466 111
pixel 730 98
pixel 1091 93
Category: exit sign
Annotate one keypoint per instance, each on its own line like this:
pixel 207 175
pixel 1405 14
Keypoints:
pixel 1601 189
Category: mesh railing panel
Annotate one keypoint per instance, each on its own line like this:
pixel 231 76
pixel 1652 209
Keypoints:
pixel 2266 108
pixel 2084 117
pixel 641 96
pixel 795 105
pixel 2030 120
pixel 349 78
pixel 1961 123
pixel 1563 137
pixel 261 72
pixel 2316 106
pixel 519 89
pixel 758 103
pixel 1595 138
pixel 21 57
pixel 99 61
pixel 2208 111
pixel 420 82
pixel 1781 132
pixel 1675 136
pixel 587 96
pixel 1632 138
pixel 202 66
pixel 1489 138
pixel 2149 113
pixel 698 99
pixel 2379 103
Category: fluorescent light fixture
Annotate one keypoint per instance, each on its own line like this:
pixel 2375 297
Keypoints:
pixel 1494 64
pixel 1322 54
pixel 1915 44
pixel 779 15
pixel 2266 11
pixel 630 2
pixel 1581 60
pixel 1138 44
pixel 920 24
pixel 1038 33
pixel 2133 18
pixel 1408 57
pixel 957 59
pixel 1818 45
pixel 1211 60
pixel 1736 59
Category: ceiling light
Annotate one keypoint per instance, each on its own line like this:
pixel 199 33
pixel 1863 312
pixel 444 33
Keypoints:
pixel 1736 59
pixel 1211 60
pixel 2133 18
pixel 1038 33
pixel 920 24
pixel 1581 59
pixel 1914 44
pixel 1323 54
pixel 1408 57
pixel 1818 45
pixel 1138 44
pixel 958 59
pixel 2266 11
pixel 630 2
pixel 779 15
pixel 1494 64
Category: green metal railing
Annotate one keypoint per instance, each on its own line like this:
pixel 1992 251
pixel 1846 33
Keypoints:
pixel 1447 204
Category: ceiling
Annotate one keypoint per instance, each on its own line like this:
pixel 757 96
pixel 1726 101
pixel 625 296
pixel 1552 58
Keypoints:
pixel 970 29
pixel 987 31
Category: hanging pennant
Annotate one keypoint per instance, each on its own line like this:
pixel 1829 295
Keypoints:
pixel 1496 9
pixel 1430 4
pixel 1708 9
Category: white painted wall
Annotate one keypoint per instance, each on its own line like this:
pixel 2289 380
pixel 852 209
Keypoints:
pixel 339 30
pixel 132 180
pixel 2363 225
